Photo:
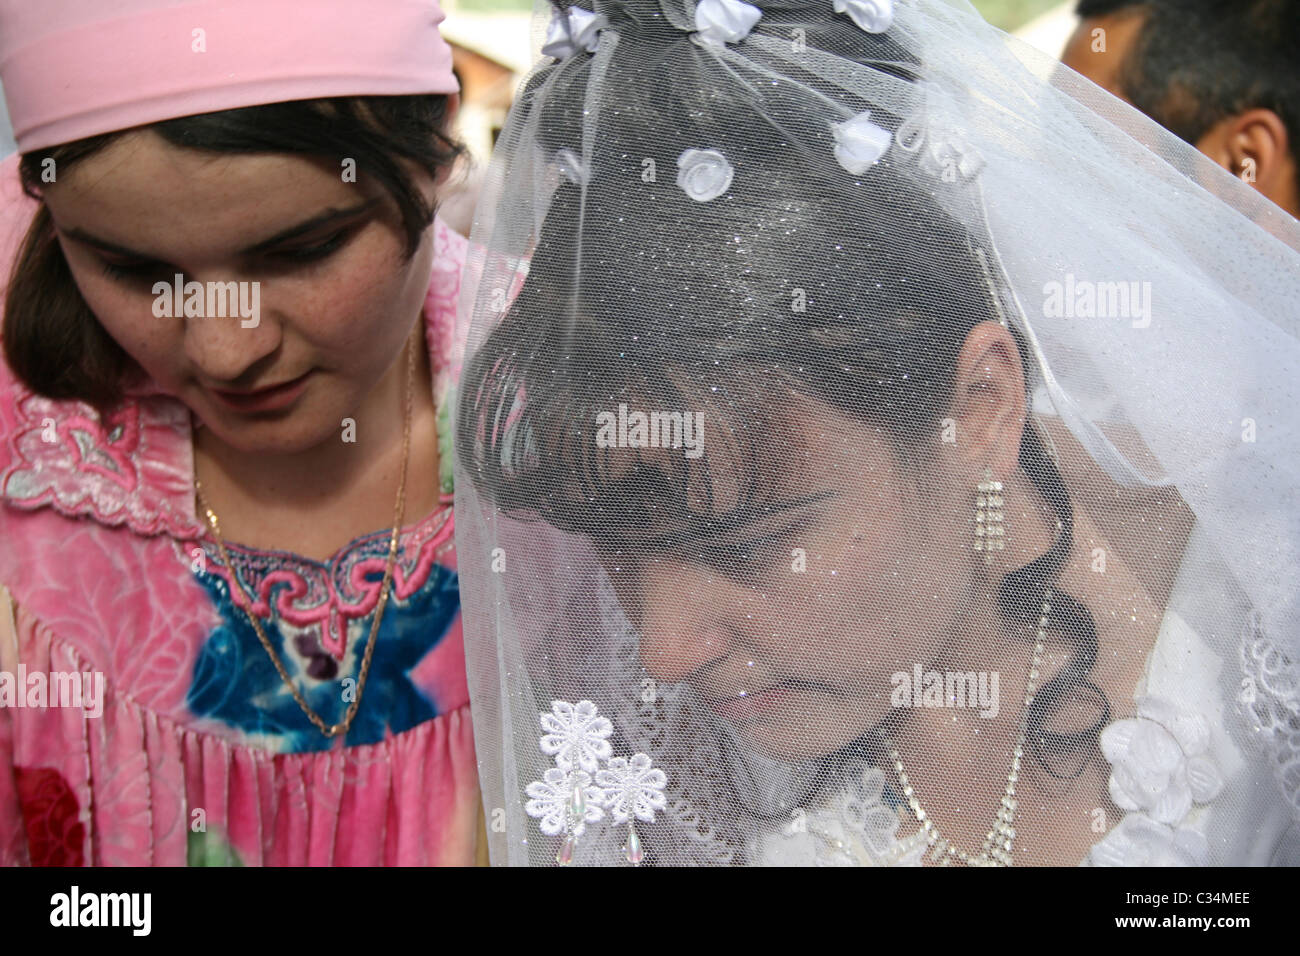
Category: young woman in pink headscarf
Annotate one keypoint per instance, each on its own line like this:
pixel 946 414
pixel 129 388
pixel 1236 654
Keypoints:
pixel 229 612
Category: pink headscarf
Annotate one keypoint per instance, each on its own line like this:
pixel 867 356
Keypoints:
pixel 75 68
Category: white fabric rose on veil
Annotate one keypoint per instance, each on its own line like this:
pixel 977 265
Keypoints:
pixel 859 143
pixel 1160 767
pixel 578 29
pixel 725 21
pixel 874 16
pixel 1159 761
pixel 704 174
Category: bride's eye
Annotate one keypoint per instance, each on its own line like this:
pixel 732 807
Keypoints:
pixel 756 554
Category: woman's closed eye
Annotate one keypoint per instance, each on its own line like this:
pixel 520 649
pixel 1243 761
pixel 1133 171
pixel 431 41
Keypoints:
pixel 135 271
pixel 275 260
pixel 316 251
pixel 748 556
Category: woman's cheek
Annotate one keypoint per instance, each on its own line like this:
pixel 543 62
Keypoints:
pixel 361 308
pixel 127 316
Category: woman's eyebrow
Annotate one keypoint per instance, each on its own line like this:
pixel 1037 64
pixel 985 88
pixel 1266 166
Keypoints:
pixel 738 528
pixel 731 529
pixel 324 218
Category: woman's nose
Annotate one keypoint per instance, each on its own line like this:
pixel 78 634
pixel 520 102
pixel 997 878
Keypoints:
pixel 684 610
pixel 234 333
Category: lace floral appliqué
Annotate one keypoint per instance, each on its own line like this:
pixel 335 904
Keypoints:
pixel 565 799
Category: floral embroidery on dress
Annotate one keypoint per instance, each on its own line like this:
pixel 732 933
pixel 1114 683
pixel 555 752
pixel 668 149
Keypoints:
pixel 236 682
pixel 125 470
pixel 1270 700
pixel 1160 769
pixel 322 600
pixel 855 827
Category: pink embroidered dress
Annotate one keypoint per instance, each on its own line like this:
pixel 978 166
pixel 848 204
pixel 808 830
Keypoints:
pixel 200 754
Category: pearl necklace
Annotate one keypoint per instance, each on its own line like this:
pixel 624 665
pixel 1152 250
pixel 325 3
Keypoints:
pixel 997 847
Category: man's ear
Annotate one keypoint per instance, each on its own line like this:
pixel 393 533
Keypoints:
pixel 989 400
pixel 1254 146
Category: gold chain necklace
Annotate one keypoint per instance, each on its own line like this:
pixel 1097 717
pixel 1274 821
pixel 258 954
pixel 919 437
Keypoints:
pixel 339 729
pixel 996 849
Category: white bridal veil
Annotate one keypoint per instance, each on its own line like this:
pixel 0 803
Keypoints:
pixel 875 445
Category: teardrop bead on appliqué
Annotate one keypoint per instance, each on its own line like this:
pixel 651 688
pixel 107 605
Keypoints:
pixel 565 855
pixel 633 847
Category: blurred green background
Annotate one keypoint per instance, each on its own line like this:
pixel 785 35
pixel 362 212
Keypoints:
pixel 1010 14
pixel 1007 14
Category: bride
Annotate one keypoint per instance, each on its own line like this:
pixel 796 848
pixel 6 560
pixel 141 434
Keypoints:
pixel 825 233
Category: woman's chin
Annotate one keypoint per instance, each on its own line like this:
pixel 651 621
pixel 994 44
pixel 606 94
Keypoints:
pixel 806 726
pixel 288 433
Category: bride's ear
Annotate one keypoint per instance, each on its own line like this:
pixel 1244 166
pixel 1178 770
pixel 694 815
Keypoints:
pixel 989 402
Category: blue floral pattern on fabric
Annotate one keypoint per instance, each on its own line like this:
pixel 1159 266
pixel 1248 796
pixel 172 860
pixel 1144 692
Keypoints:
pixel 235 682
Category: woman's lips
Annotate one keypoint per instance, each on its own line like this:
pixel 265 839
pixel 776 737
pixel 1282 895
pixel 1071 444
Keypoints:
pixel 265 399
pixel 746 706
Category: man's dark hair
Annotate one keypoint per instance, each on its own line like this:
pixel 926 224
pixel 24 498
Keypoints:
pixel 1104 8
pixel 1197 62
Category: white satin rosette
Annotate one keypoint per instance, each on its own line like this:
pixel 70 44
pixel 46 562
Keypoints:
pixel 874 16
pixel 568 33
pixel 859 143
pixel 704 174
pixel 725 21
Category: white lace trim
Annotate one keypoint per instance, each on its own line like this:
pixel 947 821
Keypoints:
pixel 1270 702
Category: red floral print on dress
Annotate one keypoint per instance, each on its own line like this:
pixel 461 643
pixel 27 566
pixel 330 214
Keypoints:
pixel 55 834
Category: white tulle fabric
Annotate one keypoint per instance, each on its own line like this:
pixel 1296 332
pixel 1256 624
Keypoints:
pixel 1172 424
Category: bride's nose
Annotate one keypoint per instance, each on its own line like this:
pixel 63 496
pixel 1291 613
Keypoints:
pixel 684 613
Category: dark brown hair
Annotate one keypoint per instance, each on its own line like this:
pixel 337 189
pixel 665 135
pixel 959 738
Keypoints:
pixel 52 340
pixel 879 338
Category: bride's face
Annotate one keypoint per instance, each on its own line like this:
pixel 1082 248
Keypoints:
pixel 791 625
